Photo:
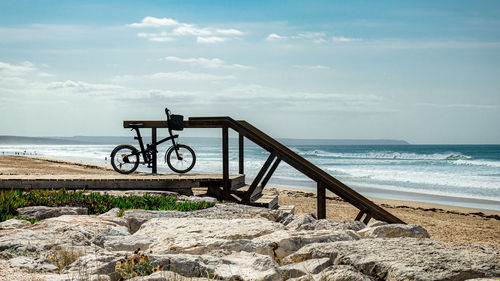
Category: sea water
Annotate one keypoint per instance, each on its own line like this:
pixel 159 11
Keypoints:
pixel 460 175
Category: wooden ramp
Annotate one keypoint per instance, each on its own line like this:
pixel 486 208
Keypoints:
pixel 167 182
pixel 254 192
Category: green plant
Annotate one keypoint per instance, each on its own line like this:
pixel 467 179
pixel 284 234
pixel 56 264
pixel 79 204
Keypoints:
pixel 23 252
pixel 137 264
pixel 32 221
pixel 95 202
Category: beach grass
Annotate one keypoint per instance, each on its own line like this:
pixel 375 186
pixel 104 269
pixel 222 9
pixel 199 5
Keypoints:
pixel 96 203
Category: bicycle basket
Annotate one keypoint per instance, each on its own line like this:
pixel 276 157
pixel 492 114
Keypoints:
pixel 176 122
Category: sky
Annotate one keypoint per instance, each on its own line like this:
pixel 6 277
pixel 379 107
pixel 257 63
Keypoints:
pixel 422 71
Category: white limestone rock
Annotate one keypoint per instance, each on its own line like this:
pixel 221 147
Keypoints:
pixel 13 224
pixel 43 212
pixel 405 258
pixel 394 231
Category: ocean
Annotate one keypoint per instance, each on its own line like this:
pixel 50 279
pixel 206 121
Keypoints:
pixel 458 175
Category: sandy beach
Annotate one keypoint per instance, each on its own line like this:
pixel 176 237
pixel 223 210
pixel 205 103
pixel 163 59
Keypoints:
pixel 444 223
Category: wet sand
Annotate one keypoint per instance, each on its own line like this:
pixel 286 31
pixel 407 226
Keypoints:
pixel 445 223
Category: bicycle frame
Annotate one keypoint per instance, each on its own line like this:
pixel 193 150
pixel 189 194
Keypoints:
pixel 144 151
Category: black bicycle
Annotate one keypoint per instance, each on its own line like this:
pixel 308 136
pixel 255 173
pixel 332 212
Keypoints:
pixel 180 158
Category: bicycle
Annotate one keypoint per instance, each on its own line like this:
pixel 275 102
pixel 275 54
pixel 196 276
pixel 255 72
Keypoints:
pixel 180 158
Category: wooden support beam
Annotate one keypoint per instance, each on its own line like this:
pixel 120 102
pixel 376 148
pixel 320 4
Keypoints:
pixel 270 173
pixel 367 218
pixel 321 200
pixel 256 181
pixel 360 215
pixel 225 164
pixel 241 154
pixel 153 153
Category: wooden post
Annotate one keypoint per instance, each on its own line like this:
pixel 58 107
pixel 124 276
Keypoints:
pixel 225 163
pixel 248 195
pixel 321 203
pixel 270 173
pixel 153 153
pixel 242 152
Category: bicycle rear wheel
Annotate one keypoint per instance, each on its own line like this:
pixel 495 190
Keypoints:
pixel 125 159
pixel 181 162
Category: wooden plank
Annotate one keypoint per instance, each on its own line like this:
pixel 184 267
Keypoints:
pixel 270 173
pixel 253 186
pixel 321 201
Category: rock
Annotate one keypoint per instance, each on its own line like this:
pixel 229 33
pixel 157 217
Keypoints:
pixel 375 223
pixel 110 233
pixel 178 235
pixel 101 262
pixel 59 231
pixel 331 225
pixel 33 264
pixel 394 230
pixel 234 266
pixel 43 212
pixel 74 276
pixel 286 242
pixel 136 218
pixel 13 224
pixel 405 258
pixel 336 273
pixel 308 267
pixel 111 213
pixel 128 243
pixel 196 199
pixel 298 221
pixel 167 276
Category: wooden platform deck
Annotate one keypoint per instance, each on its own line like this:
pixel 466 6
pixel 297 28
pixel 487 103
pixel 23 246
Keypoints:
pixel 167 182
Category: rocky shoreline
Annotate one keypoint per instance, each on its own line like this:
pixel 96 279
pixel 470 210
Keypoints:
pixel 229 242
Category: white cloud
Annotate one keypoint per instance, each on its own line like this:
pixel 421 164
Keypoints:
pixel 178 75
pixel 162 39
pixel 344 39
pixel 455 105
pixel 210 40
pixel 189 29
pixel 205 62
pixel 17 70
pixel 155 22
pixel 230 31
pixel 275 37
pixel 171 29
pixel 318 66
pixel 17 73
pixel 187 75
pixel 83 87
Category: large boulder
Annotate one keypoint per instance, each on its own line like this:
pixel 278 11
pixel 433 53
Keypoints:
pixel 43 212
pixel 220 211
pixel 286 242
pixel 405 258
pixel 394 231
pixel 232 266
pixel 307 267
pixel 336 273
pixel 13 224
pixel 59 231
pixel 199 235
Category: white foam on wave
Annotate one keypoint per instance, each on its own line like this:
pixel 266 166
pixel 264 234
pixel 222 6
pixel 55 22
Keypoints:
pixel 428 177
pixel 478 162
pixel 385 155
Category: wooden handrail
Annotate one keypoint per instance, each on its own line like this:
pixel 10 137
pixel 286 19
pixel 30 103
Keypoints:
pixel 285 154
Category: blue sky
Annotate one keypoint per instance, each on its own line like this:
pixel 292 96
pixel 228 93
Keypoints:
pixel 422 71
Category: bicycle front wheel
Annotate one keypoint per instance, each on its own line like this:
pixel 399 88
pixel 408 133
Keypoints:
pixel 125 159
pixel 180 158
